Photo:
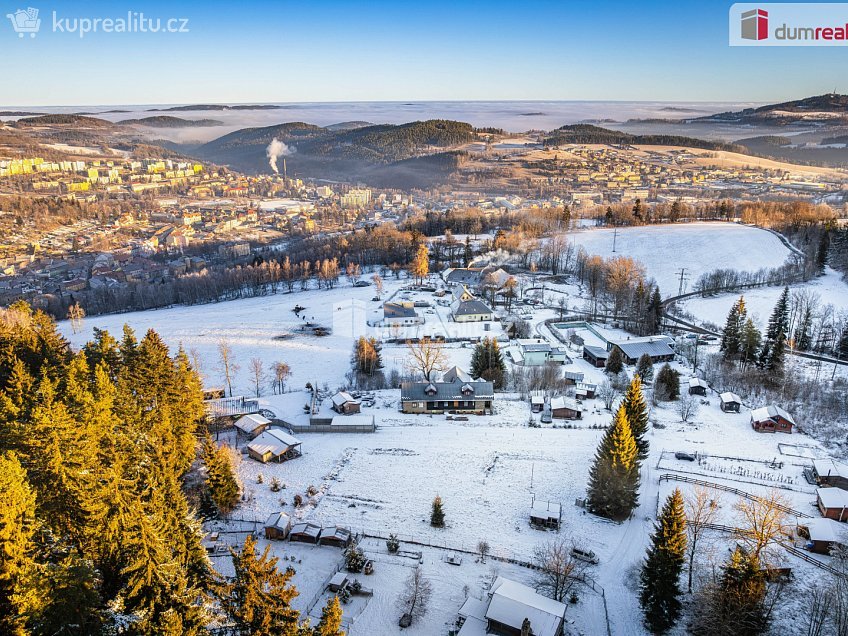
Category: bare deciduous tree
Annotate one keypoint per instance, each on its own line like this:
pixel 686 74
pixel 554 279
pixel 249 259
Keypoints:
pixel 258 376
pixel 76 314
pixel 227 364
pixel 558 569
pixel 378 284
pixel 701 508
pixel 415 597
pixel 764 524
pixel 282 371
pixel 427 356
pixel 687 407
pixel 607 394
pixel 483 548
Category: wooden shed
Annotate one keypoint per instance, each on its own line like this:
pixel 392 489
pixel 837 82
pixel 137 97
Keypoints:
pixel 252 425
pixel 730 402
pixel 828 472
pixel 821 534
pixel 336 536
pixel 278 526
pixel 833 503
pixel 344 403
pixel 697 387
pixel 274 445
pixel 545 514
pixel 305 532
pixel 565 408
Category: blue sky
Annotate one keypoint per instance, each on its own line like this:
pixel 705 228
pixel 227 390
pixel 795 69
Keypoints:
pixel 316 50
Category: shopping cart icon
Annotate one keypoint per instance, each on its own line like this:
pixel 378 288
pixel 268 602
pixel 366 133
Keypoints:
pixel 25 21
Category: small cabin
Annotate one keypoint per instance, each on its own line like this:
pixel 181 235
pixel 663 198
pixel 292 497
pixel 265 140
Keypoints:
pixel 305 532
pixel 546 514
pixel 821 534
pixel 537 402
pixel 830 473
pixel 345 403
pixel 585 391
pixel 252 425
pixel 697 387
pixel 771 419
pixel 565 408
pixel 832 503
pixel 278 526
pixel 730 402
pixel 274 445
pixel 335 536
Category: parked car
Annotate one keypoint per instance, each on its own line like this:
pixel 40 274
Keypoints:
pixel 546 418
pixel 585 555
pixel 362 283
pixel 687 457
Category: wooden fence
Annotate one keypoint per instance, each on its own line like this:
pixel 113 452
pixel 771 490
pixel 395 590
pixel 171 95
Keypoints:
pixel 222 407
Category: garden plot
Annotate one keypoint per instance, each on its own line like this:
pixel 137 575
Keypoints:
pixel 778 472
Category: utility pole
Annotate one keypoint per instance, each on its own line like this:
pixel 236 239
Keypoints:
pixel 683 279
pixel 614 236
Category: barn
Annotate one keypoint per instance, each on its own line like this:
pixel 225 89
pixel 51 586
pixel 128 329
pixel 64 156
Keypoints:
pixel 335 536
pixel 596 356
pixel 565 408
pixel 305 532
pixel 274 445
pixel 771 419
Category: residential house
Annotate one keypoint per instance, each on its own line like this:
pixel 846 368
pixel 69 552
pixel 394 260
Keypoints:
pixel 456 396
pixel 730 402
pixel 659 348
pixel 401 314
pixel 507 606
pixel 771 419
pixel 537 352
pixel 565 408
pixel 344 403
pixel 274 445
pixel 466 308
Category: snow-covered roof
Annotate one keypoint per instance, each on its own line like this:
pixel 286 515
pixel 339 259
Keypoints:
pixel 353 420
pixel 336 532
pixel 398 310
pixel 512 602
pixel 833 497
pixel 469 307
pixel 455 373
pixel 698 382
pixel 562 402
pixel 830 468
pixel 249 423
pixel 278 520
pixel 545 509
pixel 822 529
pixel 728 397
pixel 635 349
pixel 343 397
pixel 537 399
pixel 534 344
pixel 770 412
pixel 274 440
pixel 306 528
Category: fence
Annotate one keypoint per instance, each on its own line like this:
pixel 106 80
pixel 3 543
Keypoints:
pixel 231 406
pixel 327 428
pixel 730 489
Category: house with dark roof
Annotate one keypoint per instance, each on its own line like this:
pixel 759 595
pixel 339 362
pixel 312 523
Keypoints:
pixel 456 395
pixel 466 308
pixel 657 347
pixel 401 314
pixel 596 356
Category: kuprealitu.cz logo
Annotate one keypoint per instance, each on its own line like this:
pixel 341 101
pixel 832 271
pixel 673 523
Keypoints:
pixel 27 22
pixel 789 24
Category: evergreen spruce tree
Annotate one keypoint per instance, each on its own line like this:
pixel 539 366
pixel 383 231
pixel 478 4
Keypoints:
pixel 18 597
pixel 487 362
pixel 660 589
pixel 645 368
pixel 220 477
pixel 667 384
pixel 822 251
pixel 437 515
pixel 732 336
pixel 750 343
pixel 636 410
pixel 655 312
pixel 615 362
pixel 257 600
pixel 331 619
pixel 613 490
pixel 774 343
pixel 843 345
pixel 803 337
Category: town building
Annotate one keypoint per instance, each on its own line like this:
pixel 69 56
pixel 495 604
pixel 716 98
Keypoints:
pixel 457 395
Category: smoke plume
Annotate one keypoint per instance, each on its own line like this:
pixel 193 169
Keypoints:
pixel 275 150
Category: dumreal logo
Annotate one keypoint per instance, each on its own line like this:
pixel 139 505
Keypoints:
pixel 789 24
pixel 27 21
pixel 755 24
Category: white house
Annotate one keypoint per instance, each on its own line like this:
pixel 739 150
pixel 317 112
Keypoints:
pixel 508 604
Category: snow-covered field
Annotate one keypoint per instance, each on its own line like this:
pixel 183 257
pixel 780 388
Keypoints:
pixel 697 247
pixel 487 470
pixel 830 288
